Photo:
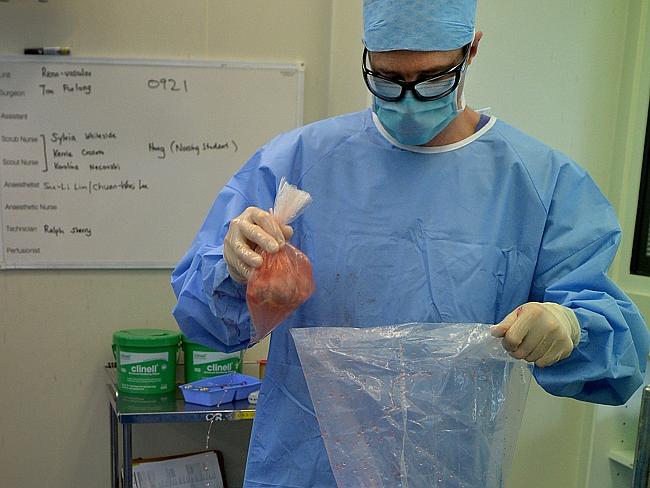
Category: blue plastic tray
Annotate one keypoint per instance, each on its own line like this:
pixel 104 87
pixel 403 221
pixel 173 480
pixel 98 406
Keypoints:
pixel 220 389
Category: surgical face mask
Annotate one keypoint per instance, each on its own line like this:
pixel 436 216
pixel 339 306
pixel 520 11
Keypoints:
pixel 413 122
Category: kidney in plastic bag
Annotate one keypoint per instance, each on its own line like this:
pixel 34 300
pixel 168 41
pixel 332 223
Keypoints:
pixel 277 288
pixel 284 281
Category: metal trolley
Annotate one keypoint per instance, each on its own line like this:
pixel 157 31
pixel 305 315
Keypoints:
pixel 126 411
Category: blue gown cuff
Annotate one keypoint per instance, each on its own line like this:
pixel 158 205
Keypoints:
pixel 211 308
pixel 227 297
pixel 605 367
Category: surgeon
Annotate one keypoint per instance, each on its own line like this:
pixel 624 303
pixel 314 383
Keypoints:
pixel 423 211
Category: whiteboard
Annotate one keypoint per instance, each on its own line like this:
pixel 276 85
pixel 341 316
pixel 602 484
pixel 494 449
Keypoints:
pixel 115 163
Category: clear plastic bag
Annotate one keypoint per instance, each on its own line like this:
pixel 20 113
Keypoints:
pixel 285 280
pixel 414 405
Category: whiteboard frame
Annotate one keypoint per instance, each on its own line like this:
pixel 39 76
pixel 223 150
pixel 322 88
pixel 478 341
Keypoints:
pixel 296 67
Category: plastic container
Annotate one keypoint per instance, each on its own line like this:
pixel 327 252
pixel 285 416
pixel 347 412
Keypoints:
pixel 220 389
pixel 146 360
pixel 203 362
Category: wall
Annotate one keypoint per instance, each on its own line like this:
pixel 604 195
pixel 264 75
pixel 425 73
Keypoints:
pixel 552 68
pixel 629 143
pixel 616 427
pixel 577 76
pixel 543 67
pixel 56 325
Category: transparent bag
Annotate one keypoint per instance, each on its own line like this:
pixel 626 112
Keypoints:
pixel 284 281
pixel 414 405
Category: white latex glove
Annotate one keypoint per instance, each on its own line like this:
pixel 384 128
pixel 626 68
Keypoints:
pixel 253 229
pixel 540 333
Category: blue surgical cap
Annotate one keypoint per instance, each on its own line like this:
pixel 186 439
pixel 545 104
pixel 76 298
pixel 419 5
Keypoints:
pixel 418 25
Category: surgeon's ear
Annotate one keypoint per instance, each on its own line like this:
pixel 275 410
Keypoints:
pixel 474 47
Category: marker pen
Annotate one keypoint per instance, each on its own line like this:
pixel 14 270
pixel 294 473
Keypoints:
pixel 47 51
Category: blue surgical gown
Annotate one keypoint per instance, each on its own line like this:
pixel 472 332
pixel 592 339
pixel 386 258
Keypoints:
pixel 463 234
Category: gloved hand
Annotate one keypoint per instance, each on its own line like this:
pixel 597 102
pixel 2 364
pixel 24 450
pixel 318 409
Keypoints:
pixel 543 333
pixel 253 229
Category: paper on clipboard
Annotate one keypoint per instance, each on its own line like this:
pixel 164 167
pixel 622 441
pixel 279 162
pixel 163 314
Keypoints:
pixel 198 470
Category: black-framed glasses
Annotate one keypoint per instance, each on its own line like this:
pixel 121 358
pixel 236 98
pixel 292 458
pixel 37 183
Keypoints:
pixel 426 89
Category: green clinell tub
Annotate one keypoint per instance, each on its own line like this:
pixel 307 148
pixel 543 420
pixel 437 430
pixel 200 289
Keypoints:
pixel 202 362
pixel 146 360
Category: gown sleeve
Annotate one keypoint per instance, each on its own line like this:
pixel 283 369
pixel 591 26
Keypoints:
pixel 211 307
pixel 579 243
